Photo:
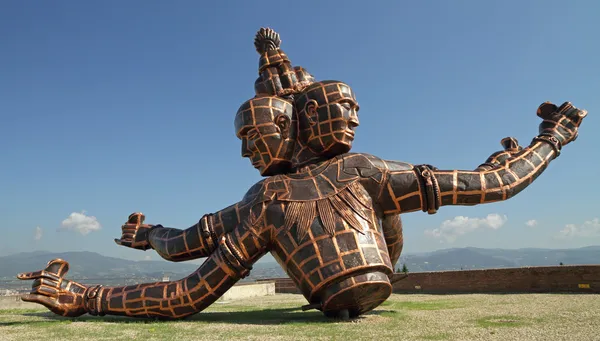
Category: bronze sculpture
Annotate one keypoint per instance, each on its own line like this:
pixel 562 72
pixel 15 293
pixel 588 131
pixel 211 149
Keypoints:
pixel 328 216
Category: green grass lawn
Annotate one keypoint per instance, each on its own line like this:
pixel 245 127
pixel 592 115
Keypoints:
pixel 402 317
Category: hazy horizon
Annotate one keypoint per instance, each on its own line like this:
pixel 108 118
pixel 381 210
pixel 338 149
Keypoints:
pixel 269 259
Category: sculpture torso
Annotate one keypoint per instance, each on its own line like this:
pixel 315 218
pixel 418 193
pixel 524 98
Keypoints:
pixel 327 232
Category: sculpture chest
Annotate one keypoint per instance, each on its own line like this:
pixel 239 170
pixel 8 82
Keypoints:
pixel 329 239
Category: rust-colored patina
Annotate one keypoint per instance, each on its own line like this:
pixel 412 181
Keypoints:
pixel 328 216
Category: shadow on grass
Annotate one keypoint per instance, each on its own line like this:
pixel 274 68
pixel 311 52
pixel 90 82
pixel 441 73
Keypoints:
pixel 257 317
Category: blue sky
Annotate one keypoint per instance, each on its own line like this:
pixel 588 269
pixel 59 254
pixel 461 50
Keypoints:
pixel 111 107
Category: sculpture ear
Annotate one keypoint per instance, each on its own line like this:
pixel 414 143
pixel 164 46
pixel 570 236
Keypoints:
pixel 310 110
pixel 283 125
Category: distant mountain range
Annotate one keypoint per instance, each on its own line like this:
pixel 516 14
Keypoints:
pixel 92 265
pixel 476 258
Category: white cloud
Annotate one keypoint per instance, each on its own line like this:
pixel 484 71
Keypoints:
pixel 38 233
pixel 79 222
pixel 590 228
pixel 148 257
pixel 451 229
pixel 531 223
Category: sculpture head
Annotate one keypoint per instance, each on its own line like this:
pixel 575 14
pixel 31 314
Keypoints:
pixel 327 116
pixel 265 126
pixel 326 111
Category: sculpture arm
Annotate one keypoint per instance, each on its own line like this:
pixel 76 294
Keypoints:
pixel 426 188
pixel 197 241
pixel 232 260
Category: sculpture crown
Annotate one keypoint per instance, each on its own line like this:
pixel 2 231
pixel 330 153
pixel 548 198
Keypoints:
pixel 266 39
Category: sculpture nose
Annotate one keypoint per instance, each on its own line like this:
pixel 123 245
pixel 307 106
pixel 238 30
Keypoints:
pixel 245 151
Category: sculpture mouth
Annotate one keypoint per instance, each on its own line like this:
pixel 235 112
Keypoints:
pixel 349 133
pixel 257 164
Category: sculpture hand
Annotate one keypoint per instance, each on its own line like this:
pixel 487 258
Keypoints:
pixel 134 233
pixel 49 288
pixel 561 122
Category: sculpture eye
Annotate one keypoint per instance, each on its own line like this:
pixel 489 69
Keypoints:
pixel 346 105
pixel 252 134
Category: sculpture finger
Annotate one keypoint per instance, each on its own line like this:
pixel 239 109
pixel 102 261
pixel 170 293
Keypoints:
pixel 136 218
pixel 566 106
pixel 30 275
pixel 45 290
pixel 46 301
pixel 546 110
pixel 128 228
pixel 57 266
pixel 127 236
pixel 46 282
pixel 38 274
pixel 576 115
pixel 563 125
pixel 123 242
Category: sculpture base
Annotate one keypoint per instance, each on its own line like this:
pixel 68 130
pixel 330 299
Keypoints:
pixel 355 295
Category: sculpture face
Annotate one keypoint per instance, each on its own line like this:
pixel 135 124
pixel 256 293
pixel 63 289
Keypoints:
pixel 327 117
pixel 264 124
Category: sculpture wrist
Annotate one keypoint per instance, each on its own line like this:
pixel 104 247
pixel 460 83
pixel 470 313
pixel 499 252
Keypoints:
pixel 149 234
pixel 551 140
pixel 430 189
pixel 92 300
pixel 233 258
pixel 206 225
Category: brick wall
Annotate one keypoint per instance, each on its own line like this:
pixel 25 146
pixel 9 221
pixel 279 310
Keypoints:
pixel 567 278
pixel 283 285
pixel 531 279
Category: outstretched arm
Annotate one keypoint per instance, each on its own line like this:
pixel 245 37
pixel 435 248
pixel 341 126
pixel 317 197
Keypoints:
pixel 231 261
pixel 192 294
pixel 197 241
pixel 505 174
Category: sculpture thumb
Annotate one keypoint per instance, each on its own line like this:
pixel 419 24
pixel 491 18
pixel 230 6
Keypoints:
pixel 546 109
pixel 58 266
pixel 136 218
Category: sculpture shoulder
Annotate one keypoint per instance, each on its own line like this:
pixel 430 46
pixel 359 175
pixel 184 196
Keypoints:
pixel 326 179
pixel 256 192
pixel 265 190
pixel 367 165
